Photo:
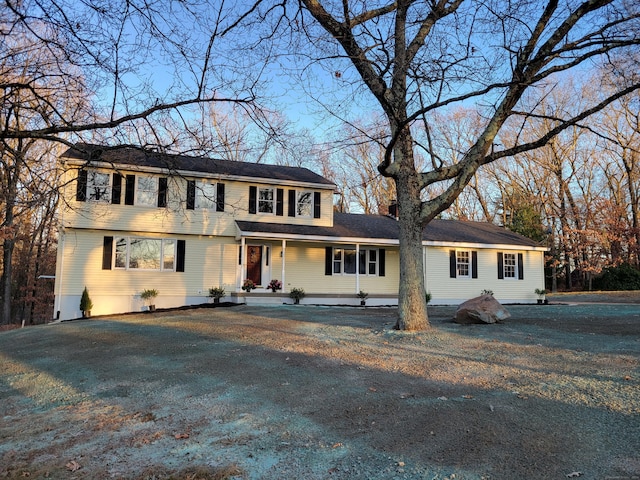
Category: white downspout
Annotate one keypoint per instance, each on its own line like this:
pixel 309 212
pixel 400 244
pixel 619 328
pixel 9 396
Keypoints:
pixel 60 273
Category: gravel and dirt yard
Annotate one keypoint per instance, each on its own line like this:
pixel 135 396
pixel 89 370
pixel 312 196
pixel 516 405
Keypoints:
pixel 311 392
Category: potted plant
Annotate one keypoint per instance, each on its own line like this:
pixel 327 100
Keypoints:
pixel 541 292
pixel 275 285
pixel 85 303
pixel 363 297
pixel 297 294
pixel 427 297
pixel 216 293
pixel 149 296
pixel 248 285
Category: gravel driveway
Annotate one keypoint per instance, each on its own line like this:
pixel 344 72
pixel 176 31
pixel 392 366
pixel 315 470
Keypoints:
pixel 310 392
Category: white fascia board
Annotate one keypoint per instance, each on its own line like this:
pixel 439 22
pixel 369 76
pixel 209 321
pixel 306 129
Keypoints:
pixel 316 238
pixel 379 241
pixel 194 174
pixel 491 246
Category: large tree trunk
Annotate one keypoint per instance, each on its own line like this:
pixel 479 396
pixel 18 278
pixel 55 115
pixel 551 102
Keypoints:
pixel 412 304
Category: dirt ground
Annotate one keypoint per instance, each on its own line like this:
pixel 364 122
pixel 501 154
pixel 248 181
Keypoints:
pixel 311 392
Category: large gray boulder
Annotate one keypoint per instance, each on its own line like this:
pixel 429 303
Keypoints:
pixel 482 309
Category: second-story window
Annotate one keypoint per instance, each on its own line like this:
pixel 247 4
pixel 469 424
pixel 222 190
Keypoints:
pixel 98 186
pixel 206 195
pixel 304 204
pixel 266 200
pixel 147 191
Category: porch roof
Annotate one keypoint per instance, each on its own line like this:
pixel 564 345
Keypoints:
pixel 384 229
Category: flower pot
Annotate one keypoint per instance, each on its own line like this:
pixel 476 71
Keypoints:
pixel 539 301
pixel 273 290
pixel 363 302
pixel 296 301
pixel 152 308
pixel 216 300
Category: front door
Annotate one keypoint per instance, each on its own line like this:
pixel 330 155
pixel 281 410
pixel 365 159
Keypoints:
pixel 254 263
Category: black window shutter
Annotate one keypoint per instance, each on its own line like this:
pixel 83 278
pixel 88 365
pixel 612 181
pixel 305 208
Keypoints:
pixel 381 262
pixel 129 189
pixel 452 264
pixel 220 197
pixel 253 198
pixel 191 194
pixel 81 191
pixel 116 189
pixel 500 266
pixel 328 261
pixel 162 192
pixel 280 202
pixel 316 204
pixel 474 264
pixel 107 253
pixel 292 203
pixel 180 253
pixel 520 267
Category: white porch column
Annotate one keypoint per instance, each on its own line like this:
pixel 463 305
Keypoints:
pixel 284 256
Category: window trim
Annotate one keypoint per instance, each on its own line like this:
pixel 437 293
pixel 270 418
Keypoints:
pixel 152 194
pixel 110 252
pixel 272 201
pixel 331 261
pixel 211 199
pixel 309 203
pixel 518 266
pixel 85 184
pixel 461 263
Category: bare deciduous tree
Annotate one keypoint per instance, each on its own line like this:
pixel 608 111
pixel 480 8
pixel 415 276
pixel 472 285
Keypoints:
pixel 116 70
pixel 414 58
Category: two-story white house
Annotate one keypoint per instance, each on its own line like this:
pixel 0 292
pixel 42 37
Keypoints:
pixel 133 220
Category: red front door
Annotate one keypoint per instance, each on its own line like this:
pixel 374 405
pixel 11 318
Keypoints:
pixel 254 263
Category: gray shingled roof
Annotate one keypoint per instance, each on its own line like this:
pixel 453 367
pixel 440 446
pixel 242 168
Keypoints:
pixel 346 225
pixel 138 157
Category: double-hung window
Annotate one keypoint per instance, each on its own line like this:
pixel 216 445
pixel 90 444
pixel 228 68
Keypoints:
pixel 510 266
pixel 344 260
pixel 304 204
pixel 368 264
pixel 98 186
pixel 463 263
pixel 206 195
pixel 147 191
pixel 266 200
